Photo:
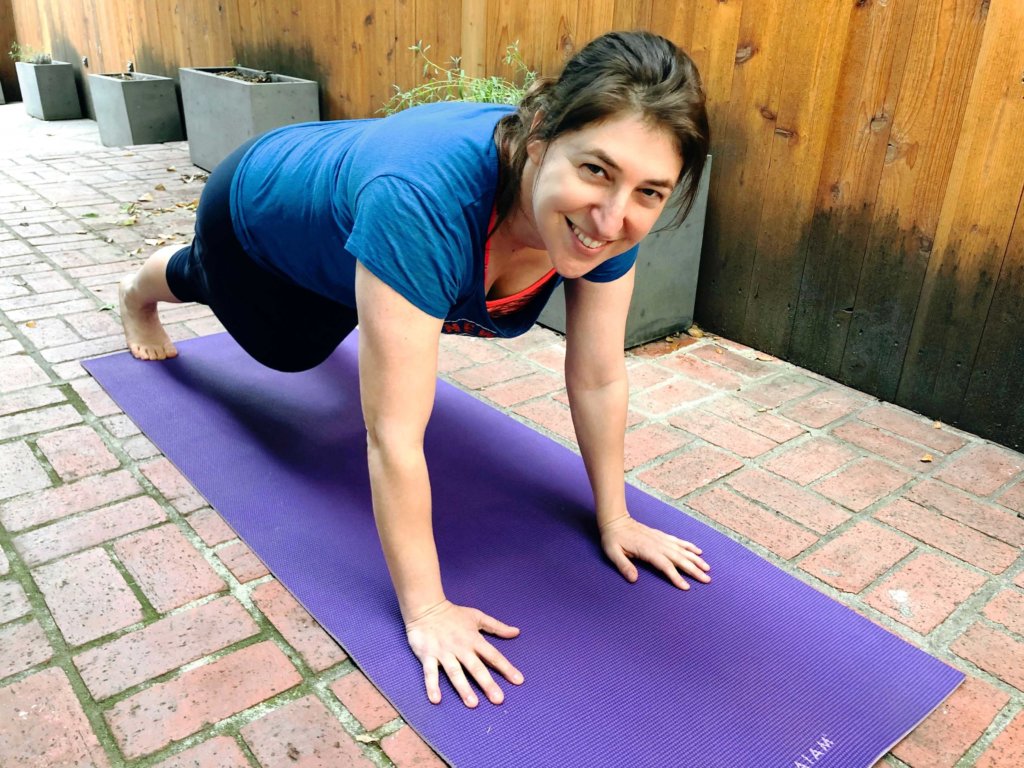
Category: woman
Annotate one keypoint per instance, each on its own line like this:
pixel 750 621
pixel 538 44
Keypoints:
pixel 457 218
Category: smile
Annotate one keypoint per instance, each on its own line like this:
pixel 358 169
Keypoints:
pixel 584 239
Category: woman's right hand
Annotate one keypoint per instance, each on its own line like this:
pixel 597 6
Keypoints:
pixel 448 636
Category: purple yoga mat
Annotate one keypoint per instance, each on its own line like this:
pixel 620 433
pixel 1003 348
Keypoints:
pixel 755 669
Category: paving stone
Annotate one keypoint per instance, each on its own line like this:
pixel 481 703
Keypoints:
pixel 995 652
pixel 1014 498
pixel 21 372
pixel 51 332
pixel 27 399
pixel 218 752
pixel 5 566
pixel 22 646
pixel 76 453
pixel 172 484
pixel 797 504
pixel 477 350
pixel 363 700
pixel 644 375
pixel 551 357
pixel 913 427
pixel 92 394
pixel 163 646
pixel 488 374
pixel 242 562
pixel 755 418
pixel 13 601
pixel 550 415
pixel 31 422
pixel 524 388
pixel 407 750
pixel 651 441
pixel 824 408
pixel 87 596
pixel 982 469
pixel 1007 608
pixel 1007 751
pixel 694 368
pixel 20 472
pixel 55 503
pixel 722 433
pixel 925 591
pixel 780 389
pixel 726 358
pixel 297 627
pixel 669 397
pixel 857 556
pixel 170 711
pixel 303 733
pixel 210 527
pixel 954 504
pixel 690 470
pixel 83 349
pixel 862 483
pixel 139 447
pixel 881 443
pixel 758 524
pixel 51 729
pixel 811 460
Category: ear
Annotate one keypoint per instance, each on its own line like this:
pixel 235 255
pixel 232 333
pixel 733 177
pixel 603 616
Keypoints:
pixel 535 148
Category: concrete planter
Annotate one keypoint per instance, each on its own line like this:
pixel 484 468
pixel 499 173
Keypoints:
pixel 134 108
pixel 49 91
pixel 666 276
pixel 223 112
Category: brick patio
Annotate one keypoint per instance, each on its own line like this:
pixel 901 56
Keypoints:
pixel 122 594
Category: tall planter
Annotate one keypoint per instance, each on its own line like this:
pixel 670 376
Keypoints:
pixel 223 112
pixel 666 276
pixel 48 90
pixel 134 108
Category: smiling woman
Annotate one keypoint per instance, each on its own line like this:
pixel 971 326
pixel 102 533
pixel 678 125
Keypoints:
pixel 452 218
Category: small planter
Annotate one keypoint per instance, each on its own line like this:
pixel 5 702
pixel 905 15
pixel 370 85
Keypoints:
pixel 48 90
pixel 133 108
pixel 223 112
pixel 666 276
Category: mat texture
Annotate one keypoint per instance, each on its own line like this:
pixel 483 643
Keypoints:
pixel 755 669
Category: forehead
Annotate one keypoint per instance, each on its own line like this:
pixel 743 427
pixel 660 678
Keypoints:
pixel 628 140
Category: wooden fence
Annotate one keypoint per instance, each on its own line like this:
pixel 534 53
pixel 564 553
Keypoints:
pixel 866 214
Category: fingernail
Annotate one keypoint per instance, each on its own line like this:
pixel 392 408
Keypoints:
pixel 517 678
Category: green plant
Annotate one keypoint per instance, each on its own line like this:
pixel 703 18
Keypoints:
pixel 28 55
pixel 451 83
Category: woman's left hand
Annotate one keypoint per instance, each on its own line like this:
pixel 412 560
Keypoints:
pixel 625 538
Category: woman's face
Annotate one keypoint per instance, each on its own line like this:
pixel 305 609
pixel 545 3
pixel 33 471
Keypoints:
pixel 596 192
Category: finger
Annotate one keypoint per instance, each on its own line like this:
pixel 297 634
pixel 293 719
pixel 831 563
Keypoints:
pixel 666 566
pixel 620 561
pixel 431 681
pixel 483 678
pixel 688 545
pixel 692 565
pixel 494 657
pixel 492 626
pixel 457 678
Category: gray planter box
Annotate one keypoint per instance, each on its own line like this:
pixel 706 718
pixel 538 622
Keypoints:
pixel 49 91
pixel 133 108
pixel 222 112
pixel 666 276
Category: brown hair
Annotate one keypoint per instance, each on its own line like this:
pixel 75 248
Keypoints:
pixel 618 73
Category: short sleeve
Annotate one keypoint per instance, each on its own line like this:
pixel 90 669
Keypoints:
pixel 614 268
pixel 401 234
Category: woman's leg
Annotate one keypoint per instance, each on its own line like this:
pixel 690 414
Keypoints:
pixel 139 294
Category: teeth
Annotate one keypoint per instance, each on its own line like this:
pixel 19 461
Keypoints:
pixel 584 239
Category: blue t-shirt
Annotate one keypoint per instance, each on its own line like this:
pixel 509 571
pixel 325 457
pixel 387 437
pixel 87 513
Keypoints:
pixel 409 196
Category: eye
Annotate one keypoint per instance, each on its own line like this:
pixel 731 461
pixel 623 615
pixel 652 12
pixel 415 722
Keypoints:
pixel 593 169
pixel 652 194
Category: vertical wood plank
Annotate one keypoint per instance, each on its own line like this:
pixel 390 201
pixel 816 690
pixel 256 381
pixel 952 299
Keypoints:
pixel 977 218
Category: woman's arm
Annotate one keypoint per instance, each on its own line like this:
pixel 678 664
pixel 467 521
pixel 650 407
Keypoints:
pixel 595 376
pixel 398 346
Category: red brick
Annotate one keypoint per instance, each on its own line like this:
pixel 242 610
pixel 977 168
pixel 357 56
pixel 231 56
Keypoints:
pixel 728 359
pixel 211 527
pixel 218 752
pixel 97 400
pixel 1019 581
pixel 50 310
pixel 857 556
pixel 993 651
pixel 1014 498
pixel 56 503
pixel 5 566
pixel 44 725
pixel 669 397
pixel 712 375
pixel 407 750
pixel 83 349
pixel 50 332
pixel 689 471
pixel 120 426
pixel 551 357
pixel 173 485
pixel 758 524
pixel 810 460
pixel 795 503
pixel 551 415
pixel 139 447
pixel 43 420
pixel 722 433
pixel 76 453
pixel 19 472
pixel 913 427
pixel 88 530
pixel 649 442
pixel 825 407
pixel 13 602
pixel 87 596
pixel 524 388
pixel 22 646
pixel 363 700
pixel 1007 751
pixel 477 350
pixel 449 360
pixel 923 592
pixel 21 372
pixel 663 347
pixel 862 484
pixel 947 733
pixel 780 389
pixel 170 571
pixel 298 628
pixel 981 470
pixel 489 374
pixel 981 516
pixel 164 645
pixel 644 375
pixel 755 418
pixel 303 733
pixel 1007 608
pixel 93 325
pixel 169 711
pixel 27 399
pixel 883 444
pixel 948 535
pixel 535 338
pixel 242 562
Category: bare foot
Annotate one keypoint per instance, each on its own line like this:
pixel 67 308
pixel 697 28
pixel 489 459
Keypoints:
pixel 146 337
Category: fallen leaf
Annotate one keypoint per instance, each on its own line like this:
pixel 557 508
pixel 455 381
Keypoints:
pixel 719 351
pixel 90 215
pixel 160 188
pixel 171 169
pixel 30 324
pixel 937 425
pixel 153 241
pixel 765 358
pixel 695 331
pixel 128 222
pixel 107 308
pixel 365 738
pixel 927 458
pixel 145 198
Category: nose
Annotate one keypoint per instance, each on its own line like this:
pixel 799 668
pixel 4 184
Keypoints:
pixel 609 217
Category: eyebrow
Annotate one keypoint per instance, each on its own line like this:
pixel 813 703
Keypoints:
pixel 601 155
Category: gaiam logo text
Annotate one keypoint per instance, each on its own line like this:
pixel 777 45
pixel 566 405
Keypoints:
pixel 815 754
